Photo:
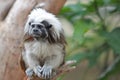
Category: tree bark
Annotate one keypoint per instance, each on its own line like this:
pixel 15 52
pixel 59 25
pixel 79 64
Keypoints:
pixel 11 33
pixel 5 6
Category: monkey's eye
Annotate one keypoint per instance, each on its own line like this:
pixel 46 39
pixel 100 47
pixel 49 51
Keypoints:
pixel 29 23
pixel 33 26
pixel 39 26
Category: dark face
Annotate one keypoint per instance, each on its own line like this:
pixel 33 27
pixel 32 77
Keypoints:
pixel 39 30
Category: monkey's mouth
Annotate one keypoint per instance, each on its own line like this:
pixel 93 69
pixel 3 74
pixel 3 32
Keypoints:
pixel 36 34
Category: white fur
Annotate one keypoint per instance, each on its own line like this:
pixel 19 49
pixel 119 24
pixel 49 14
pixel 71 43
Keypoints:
pixel 38 15
pixel 43 50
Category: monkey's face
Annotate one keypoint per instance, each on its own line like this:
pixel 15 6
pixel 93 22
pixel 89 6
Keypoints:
pixel 39 29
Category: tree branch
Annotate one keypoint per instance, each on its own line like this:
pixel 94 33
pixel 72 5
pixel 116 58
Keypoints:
pixel 98 14
pixel 54 6
pixel 5 6
pixel 20 10
pixel 97 10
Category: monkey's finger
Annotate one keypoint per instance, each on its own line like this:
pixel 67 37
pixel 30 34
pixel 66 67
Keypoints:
pixel 45 75
pixel 42 74
pixel 42 69
pixel 29 72
pixel 50 73
pixel 39 69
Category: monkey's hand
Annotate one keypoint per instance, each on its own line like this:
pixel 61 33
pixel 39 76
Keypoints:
pixel 38 70
pixel 46 72
pixel 67 67
pixel 29 72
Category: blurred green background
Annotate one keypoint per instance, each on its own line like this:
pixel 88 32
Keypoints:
pixel 95 40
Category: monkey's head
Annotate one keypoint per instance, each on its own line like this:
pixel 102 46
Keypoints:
pixel 39 29
pixel 43 25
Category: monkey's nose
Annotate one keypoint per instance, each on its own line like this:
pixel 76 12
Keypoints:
pixel 35 30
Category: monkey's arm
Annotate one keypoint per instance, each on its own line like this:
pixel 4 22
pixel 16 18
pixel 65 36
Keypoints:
pixel 32 64
pixel 55 61
pixel 52 63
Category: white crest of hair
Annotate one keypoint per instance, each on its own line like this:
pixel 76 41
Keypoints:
pixel 39 15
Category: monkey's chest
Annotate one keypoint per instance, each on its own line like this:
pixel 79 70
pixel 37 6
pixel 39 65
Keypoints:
pixel 42 50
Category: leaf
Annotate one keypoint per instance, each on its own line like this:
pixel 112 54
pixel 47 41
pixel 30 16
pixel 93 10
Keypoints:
pixel 90 56
pixel 113 39
pixel 114 68
pixel 81 27
pixel 73 12
pixel 106 1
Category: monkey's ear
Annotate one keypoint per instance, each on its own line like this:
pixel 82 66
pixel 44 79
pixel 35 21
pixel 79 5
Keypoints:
pixel 30 22
pixel 47 25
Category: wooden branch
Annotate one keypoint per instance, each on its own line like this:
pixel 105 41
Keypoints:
pixel 19 12
pixel 11 33
pixel 54 6
pixel 67 67
pixel 5 6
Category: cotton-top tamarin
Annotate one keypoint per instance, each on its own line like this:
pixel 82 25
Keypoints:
pixel 44 44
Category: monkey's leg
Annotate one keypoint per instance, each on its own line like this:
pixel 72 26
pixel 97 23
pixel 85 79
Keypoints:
pixel 33 66
pixel 51 63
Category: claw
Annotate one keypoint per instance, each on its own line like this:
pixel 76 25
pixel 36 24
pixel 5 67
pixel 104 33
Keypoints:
pixel 37 71
pixel 29 72
pixel 46 72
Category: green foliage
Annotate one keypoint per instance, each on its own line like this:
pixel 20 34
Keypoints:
pixel 81 27
pixel 114 42
pixel 113 39
pixel 61 77
pixel 73 12
pixel 88 55
pixel 91 36
pixel 111 70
